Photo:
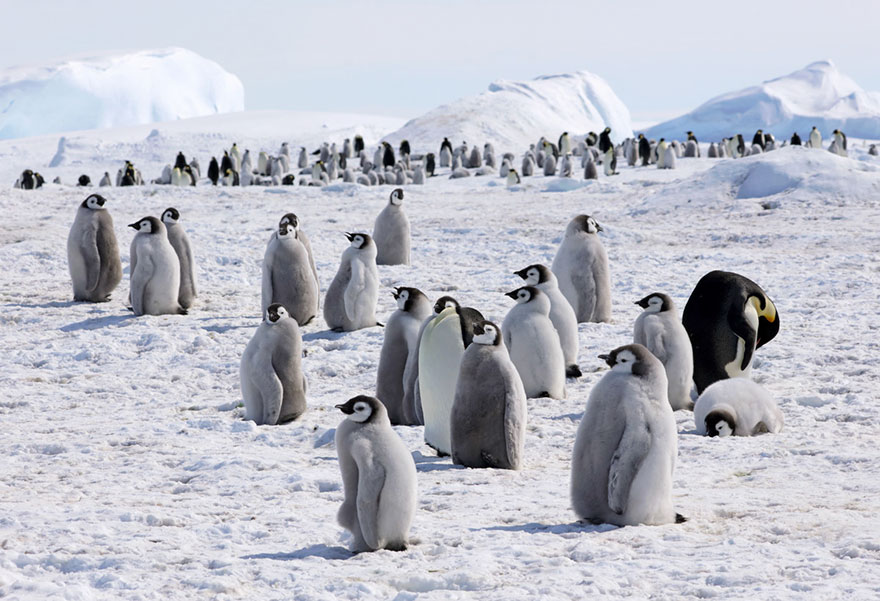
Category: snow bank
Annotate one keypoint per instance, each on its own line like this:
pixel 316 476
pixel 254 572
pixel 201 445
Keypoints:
pixel 817 95
pixel 514 114
pixel 113 91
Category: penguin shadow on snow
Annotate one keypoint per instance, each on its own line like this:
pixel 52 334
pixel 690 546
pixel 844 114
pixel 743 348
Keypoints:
pixel 319 550
pixel 536 528
pixel 49 305
pixel 433 463
pixel 96 323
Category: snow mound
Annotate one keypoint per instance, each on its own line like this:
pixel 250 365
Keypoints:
pixel 115 90
pixel 817 95
pixel 793 172
pixel 514 114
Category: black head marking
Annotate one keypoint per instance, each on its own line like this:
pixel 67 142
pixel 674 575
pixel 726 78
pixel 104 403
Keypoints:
pixel 524 294
pixel 714 419
pixel 442 302
pixel 289 218
pixel 665 301
pixel 543 272
pixel 171 212
pixel 96 199
pixel 361 404
pixel 275 312
pixel 155 224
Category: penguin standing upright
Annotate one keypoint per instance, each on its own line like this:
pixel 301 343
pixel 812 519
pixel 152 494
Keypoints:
pixel 581 266
pixel 795 139
pixel 815 138
pixel 626 445
pixel 661 153
pixel 351 299
pixel 564 143
pixel 644 150
pixel 155 270
pixel 180 243
pixel 840 138
pixel 605 140
pixel 401 337
pixel 412 400
pixel 727 317
pixel 430 165
pixel 358 145
pixel 391 232
pixel 289 276
pixel 92 252
pixel 610 162
pixel 513 178
pixel 696 145
pixel 758 139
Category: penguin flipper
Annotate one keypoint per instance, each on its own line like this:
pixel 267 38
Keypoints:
pixel 356 285
pixel 631 451
pixel 139 281
pixel 740 326
pixel 269 385
pixel 371 481
pixel 92 259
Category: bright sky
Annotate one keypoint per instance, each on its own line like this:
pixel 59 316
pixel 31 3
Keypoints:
pixel 662 57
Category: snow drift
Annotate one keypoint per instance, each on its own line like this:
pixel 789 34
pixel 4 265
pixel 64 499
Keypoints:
pixel 113 91
pixel 514 114
pixel 817 95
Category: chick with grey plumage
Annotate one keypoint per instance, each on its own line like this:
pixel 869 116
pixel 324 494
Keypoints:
pixel 581 266
pixel 289 276
pixel 391 232
pixel 92 252
pixel 351 299
pixel 180 243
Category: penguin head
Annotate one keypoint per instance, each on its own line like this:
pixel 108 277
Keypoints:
pixel 443 303
pixel 656 302
pixel 720 423
pixel 359 240
pixel 585 223
pixel 170 215
pixel 487 333
pixel 524 295
pixel 362 409
pixel 275 313
pixel 768 319
pixel 94 202
pixel 406 297
pixel 147 225
pixel 629 359
pixel 534 274
pixel 396 197
pixel 289 219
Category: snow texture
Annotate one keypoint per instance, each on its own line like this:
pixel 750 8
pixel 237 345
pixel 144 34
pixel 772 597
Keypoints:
pixel 817 95
pixel 513 114
pixel 129 472
pixel 114 90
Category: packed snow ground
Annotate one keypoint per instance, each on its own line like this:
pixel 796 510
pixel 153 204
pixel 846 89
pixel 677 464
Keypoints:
pixel 130 474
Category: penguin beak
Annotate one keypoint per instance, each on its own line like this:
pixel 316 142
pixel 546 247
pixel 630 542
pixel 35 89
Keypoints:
pixel 521 273
pixel 136 226
pixel 346 408
pixel 396 293
pixel 607 359
pixel 350 236
pixel 511 294
pixel 599 228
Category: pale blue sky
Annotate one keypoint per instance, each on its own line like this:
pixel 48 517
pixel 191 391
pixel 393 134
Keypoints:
pixel 403 58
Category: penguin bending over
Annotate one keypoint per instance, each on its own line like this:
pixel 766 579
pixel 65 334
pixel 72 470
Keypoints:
pixel 155 270
pixel 92 252
pixel 351 299
pixel 391 232
pixel 738 407
pixel 180 243
pixel 581 266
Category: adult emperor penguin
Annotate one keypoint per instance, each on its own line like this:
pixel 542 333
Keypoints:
pixel 561 313
pixel 795 139
pixel 840 138
pixel 351 300
pixel 605 140
pixel 92 252
pixel 513 178
pixel 155 270
pixel 644 150
pixel 272 383
pixel 738 407
pixel 443 341
pixel 610 161
pixel 626 445
pixel 727 317
pixel 661 153
pixel 412 400
pixel 488 422
pixel 401 338
pixel 581 266
pixel 659 329
pixel 391 232
pixel 534 344
pixel 815 138
pixel 180 243
pixel 289 275
pixel 564 144
pixel 758 138
pixel 378 478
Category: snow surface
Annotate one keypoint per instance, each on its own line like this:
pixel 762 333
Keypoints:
pixel 817 95
pixel 129 472
pixel 114 90
pixel 513 114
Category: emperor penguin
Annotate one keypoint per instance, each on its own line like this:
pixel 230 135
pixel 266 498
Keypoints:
pixel 872 150
pixel 626 445
pixel 534 344
pixel 303 158
pixel 661 153
pixel 713 151
pixel 590 169
pixel 92 252
pixel 235 156
pixel 758 139
pixel 795 139
pixel 840 138
pixel 351 299
pixel 513 178
pixel 581 266
pixel 391 232
pixel 155 270
pixel 528 166
pixel 289 276
pixel 727 317
pixel 378 478
pixel 644 150
pixel 561 313
pixel 488 421
pixel 632 153
pixel 443 341
pixel 565 144
pixel 738 407
pixel 692 150
pixel 180 243
pixel 815 138
pixel 605 140
pixel 412 400
pixel 610 161
pixel 105 181
pixel 180 161
pixel 430 164
pixel 659 330
pixel 272 382
pixel 358 144
pixel 549 160
pixel 565 166
pixel 401 337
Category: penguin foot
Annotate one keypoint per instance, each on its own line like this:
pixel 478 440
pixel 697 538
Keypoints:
pixel 338 330
pixel 381 325
pixel 573 371
pixel 182 311
pixel 543 395
pixel 680 519
pixel 398 546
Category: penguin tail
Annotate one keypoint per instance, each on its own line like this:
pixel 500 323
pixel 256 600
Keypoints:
pixel 573 371
pixel 680 519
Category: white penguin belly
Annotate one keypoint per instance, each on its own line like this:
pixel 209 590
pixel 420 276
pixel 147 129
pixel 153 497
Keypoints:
pixel 650 496
pixel 439 362
pixel 734 368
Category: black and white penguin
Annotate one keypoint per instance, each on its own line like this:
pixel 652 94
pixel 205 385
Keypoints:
pixel 388 159
pixel 83 181
pixel 644 150
pixel 591 139
pixel 180 161
pixel 727 317
pixel 404 148
pixel 430 164
pixel 758 138
pixel 737 407
pixel 740 145
pixel 225 163
pixel 154 271
pixel 92 252
pixel 815 138
pixel 605 140
pixel 358 144
pixel 692 138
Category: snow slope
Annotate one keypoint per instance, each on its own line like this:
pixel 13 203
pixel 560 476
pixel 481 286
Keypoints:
pixel 129 473
pixel 514 114
pixel 817 95
pixel 114 90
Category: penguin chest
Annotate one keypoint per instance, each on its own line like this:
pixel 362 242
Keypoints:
pixel 734 368
pixel 439 361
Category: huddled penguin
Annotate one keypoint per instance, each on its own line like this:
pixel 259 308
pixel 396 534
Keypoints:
pixel 872 150
pixel 738 407
pixel 815 138
pixel 155 270
pixel 659 329
pixel 528 166
pixel 401 337
pixel 513 178
pixel 391 232
pixel 272 382
pixel 626 445
pixel 351 299
pixel 378 478
pixel 713 151
pixel 289 276
pixel 561 313
pixel 31 180
pixel 581 266
pixel 727 317
pixel 488 422
pixel 180 243
pixel 443 342
pixel 92 252
pixel 83 181
pixel 533 344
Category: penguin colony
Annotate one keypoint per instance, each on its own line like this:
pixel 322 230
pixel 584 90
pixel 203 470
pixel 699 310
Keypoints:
pixel 466 379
